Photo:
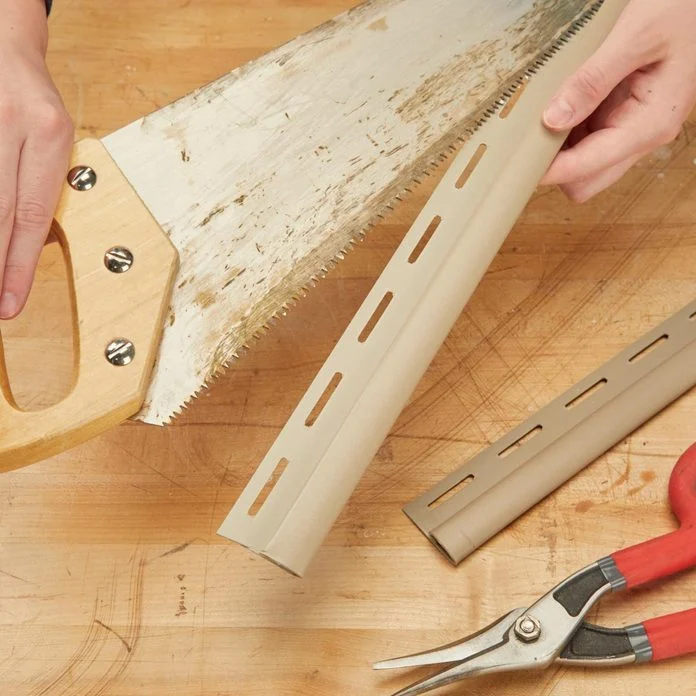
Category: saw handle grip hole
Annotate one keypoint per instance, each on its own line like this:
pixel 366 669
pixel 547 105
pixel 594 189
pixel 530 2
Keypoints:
pixel 39 348
pixel 270 484
pixel 471 166
pixel 649 349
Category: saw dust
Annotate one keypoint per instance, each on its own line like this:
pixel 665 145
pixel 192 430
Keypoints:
pixel 206 299
pixel 233 275
pixel 217 210
pixel 176 132
pixel 379 25
pixel 445 87
pixel 522 42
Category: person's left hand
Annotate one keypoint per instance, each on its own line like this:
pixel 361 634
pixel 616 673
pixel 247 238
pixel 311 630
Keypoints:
pixel 35 145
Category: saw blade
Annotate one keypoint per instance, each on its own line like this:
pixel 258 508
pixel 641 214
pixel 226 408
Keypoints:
pixel 264 178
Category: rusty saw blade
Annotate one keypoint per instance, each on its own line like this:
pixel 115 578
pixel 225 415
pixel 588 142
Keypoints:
pixel 219 209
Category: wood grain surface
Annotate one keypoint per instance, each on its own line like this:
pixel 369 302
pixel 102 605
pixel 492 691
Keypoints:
pixel 112 579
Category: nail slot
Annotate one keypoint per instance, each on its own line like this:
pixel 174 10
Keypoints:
pixel 473 163
pixel 425 239
pixel 268 488
pixel 649 349
pixel 324 399
pixel 512 101
pixel 692 317
pixel 586 394
pixel 376 316
pixel 451 492
pixel 518 443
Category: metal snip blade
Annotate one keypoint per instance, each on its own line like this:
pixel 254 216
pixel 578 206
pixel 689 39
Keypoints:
pixel 488 651
pixel 475 644
pixel 265 177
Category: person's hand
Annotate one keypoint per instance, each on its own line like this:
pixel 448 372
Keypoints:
pixel 37 138
pixel 630 98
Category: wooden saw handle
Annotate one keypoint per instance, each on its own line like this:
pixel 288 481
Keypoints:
pixel 108 305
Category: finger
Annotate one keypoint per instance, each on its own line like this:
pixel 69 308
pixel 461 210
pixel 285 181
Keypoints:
pixel 43 163
pixel 598 152
pixel 9 159
pixel 578 134
pixel 633 129
pixel 574 137
pixel 620 95
pixel 617 97
pixel 580 95
pixel 582 191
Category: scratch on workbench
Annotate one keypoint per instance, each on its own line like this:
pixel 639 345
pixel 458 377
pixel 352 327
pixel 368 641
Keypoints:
pixel 97 663
pixel 16 577
pixel 647 477
pixel 625 475
pixel 177 549
pixel 144 462
pixel 116 633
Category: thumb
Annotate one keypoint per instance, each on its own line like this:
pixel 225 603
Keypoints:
pixel 578 98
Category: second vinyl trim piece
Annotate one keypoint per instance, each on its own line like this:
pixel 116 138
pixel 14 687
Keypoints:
pixel 541 454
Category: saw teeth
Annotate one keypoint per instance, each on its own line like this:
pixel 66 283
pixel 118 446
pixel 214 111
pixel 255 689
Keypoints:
pixel 457 139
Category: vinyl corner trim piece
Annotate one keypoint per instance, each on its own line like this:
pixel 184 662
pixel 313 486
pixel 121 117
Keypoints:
pixel 356 397
pixel 515 473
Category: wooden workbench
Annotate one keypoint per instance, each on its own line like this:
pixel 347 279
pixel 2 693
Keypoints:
pixel 112 579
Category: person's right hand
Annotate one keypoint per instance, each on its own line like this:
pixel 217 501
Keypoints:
pixel 35 147
pixel 628 99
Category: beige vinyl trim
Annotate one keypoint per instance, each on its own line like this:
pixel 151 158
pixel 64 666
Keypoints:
pixel 316 462
pixel 557 442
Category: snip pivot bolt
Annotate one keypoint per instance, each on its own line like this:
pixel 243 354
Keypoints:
pixel 527 629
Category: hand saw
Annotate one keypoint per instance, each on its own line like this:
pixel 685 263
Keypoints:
pixel 188 230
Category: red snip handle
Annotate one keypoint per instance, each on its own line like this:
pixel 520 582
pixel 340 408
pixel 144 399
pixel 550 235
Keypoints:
pixel 675 552
pixel 672 636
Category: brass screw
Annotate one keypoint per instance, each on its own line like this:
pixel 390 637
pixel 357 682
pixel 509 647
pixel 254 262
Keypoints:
pixel 118 259
pixel 82 178
pixel 120 352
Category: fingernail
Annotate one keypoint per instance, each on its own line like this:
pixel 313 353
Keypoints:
pixel 8 306
pixel 559 113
